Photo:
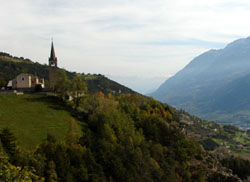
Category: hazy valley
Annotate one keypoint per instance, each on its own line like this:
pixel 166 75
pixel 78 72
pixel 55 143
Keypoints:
pixel 214 85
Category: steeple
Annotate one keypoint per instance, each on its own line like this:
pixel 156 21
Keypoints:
pixel 52 53
pixel 52 58
pixel 52 67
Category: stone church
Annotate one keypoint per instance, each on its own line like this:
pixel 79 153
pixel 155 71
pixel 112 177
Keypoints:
pixel 29 81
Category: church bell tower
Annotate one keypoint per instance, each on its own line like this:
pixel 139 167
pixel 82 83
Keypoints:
pixel 52 67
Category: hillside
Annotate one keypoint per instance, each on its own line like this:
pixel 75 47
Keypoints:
pixel 213 85
pixel 124 138
pixel 112 137
pixel 222 140
pixel 12 66
pixel 229 144
pixel 32 117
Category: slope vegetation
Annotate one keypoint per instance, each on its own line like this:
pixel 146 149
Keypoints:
pixel 125 138
pixel 32 117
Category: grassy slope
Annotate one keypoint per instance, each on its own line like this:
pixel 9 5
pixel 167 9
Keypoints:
pixel 31 117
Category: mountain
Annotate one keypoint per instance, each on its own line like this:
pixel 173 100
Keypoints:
pixel 11 66
pixel 214 85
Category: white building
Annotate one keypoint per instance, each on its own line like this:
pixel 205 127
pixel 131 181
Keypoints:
pixel 25 80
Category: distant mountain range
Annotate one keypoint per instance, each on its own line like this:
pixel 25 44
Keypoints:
pixel 215 85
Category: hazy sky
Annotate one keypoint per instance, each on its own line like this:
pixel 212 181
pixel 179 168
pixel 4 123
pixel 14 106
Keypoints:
pixel 139 43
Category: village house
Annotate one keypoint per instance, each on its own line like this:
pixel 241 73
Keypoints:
pixel 26 80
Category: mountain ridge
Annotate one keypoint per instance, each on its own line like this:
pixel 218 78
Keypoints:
pixel 200 85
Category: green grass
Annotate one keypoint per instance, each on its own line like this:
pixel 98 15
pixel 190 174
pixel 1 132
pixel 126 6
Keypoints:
pixel 218 140
pixel 32 117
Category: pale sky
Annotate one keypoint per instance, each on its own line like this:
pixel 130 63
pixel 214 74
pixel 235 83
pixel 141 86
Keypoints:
pixel 139 43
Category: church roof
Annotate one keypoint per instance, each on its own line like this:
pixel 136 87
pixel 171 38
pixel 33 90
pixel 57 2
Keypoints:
pixel 52 53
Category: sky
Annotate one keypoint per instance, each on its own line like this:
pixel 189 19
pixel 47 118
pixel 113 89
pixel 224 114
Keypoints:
pixel 139 43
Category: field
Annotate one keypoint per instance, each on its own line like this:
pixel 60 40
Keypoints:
pixel 32 117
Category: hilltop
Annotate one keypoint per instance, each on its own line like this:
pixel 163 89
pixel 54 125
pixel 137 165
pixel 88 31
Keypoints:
pixel 214 85
pixel 12 66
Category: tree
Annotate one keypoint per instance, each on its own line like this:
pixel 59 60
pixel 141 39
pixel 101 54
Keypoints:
pixel 8 141
pixel 9 172
pixel 79 88
pixel 2 82
pixel 51 175
pixel 62 83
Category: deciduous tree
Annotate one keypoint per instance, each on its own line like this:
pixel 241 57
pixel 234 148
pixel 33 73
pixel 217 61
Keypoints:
pixel 79 88
pixel 62 84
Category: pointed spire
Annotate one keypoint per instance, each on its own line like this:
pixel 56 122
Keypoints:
pixel 52 58
pixel 52 53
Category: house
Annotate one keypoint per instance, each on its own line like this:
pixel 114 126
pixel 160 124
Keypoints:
pixel 26 80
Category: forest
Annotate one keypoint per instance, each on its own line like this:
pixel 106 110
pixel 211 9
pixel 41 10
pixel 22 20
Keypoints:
pixel 124 138
pixel 128 138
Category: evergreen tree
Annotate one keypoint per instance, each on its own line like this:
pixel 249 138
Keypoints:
pixel 8 141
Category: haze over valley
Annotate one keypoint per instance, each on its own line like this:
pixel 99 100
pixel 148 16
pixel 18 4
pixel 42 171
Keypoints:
pixel 214 85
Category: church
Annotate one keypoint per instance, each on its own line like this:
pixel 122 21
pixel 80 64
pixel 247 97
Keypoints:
pixel 30 81
pixel 26 80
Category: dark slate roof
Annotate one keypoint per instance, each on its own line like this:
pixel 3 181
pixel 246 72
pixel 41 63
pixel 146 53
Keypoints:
pixel 52 53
